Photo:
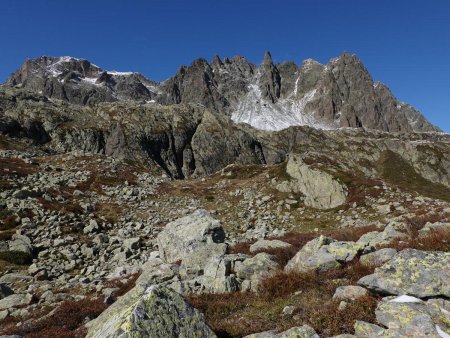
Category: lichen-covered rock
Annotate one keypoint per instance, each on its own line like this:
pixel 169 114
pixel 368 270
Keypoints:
pixel 321 190
pixel 304 331
pixel 21 243
pixel 254 269
pixel 219 274
pixel 322 254
pixel 378 257
pixel 265 244
pixel 157 312
pixel 413 272
pixel 305 259
pixel 404 319
pixel 364 329
pixel 193 240
pixel 386 236
pixel 15 300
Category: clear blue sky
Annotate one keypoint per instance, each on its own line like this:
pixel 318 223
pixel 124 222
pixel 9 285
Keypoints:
pixel 403 43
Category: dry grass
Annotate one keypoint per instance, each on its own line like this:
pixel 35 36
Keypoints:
pixel 16 167
pixel 298 240
pixel 436 240
pixel 68 319
pixel 235 315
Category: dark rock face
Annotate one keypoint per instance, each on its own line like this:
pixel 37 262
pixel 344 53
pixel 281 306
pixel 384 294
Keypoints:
pixel 339 94
pixel 270 80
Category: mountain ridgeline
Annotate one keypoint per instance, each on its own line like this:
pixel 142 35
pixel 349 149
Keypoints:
pixel 268 97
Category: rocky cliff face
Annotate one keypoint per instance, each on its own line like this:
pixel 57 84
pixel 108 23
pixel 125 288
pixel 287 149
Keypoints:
pixel 268 97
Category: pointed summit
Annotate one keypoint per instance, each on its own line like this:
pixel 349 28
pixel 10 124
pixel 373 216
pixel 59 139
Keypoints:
pixel 267 58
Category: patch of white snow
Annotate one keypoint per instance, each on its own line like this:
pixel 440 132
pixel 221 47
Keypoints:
pixel 405 299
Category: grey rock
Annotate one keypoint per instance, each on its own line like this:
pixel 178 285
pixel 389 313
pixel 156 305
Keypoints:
pixel 378 257
pixel 154 312
pixel 417 273
pixel 193 239
pixel 255 269
pixel 15 300
pixel 321 190
pixel 264 244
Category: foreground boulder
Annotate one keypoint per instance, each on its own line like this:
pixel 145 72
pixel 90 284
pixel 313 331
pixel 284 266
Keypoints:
pixel 193 240
pixel 158 313
pixel 413 272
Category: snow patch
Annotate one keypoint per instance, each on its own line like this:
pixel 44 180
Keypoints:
pixel 441 332
pixel 405 299
pixel 116 73
pixel 262 114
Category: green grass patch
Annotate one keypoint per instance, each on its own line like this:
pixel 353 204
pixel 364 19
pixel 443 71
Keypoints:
pixel 397 171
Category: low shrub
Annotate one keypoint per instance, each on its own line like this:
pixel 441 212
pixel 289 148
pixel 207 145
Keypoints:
pixel 16 257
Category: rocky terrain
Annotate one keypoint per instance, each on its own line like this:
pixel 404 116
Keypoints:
pixel 130 208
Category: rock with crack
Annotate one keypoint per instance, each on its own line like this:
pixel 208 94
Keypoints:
pixel 253 270
pixel 155 312
pixel 321 189
pixel 219 274
pixel 413 272
pixel 193 240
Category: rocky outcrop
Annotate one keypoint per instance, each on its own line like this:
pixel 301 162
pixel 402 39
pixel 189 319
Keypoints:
pixel 321 190
pixel 412 272
pixel 157 312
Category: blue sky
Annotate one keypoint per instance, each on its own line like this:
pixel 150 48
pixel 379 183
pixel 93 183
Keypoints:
pixel 403 43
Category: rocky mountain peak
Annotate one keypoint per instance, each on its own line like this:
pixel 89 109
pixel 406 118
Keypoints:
pixel 270 96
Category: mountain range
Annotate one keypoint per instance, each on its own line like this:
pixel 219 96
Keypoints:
pixel 268 97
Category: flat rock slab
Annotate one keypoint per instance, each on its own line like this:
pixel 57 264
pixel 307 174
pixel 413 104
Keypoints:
pixel 412 272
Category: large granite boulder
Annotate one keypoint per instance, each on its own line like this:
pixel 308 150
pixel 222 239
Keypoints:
pixel 193 240
pixel 321 189
pixel 413 272
pixel 157 312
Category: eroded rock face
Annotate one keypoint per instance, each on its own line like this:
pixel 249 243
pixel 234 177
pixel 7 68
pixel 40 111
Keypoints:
pixel 412 272
pixel 321 190
pixel 157 312
pixel 193 240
